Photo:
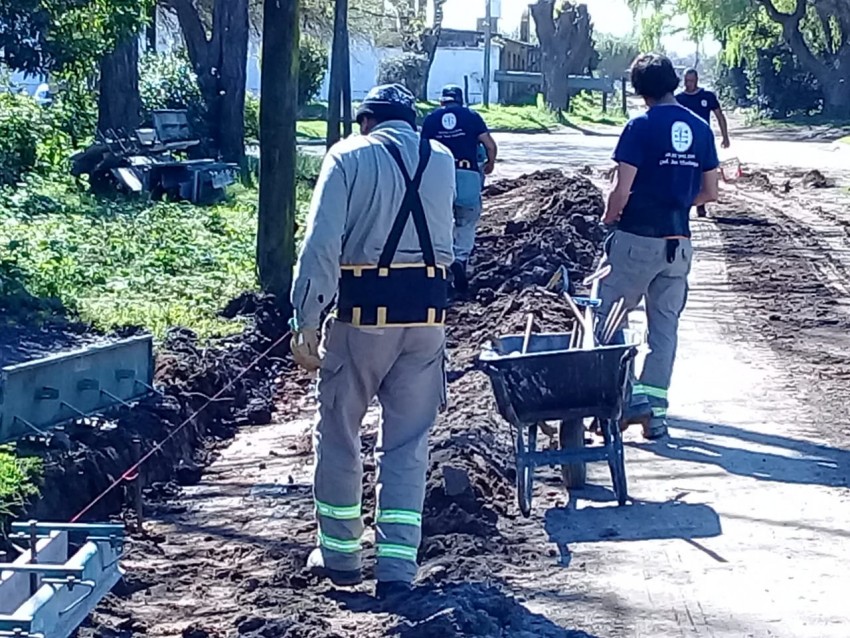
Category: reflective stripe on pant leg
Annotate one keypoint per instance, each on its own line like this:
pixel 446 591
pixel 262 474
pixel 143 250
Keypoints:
pixel 650 391
pixel 339 545
pixel 339 513
pixel 466 223
pixel 410 397
pixel 399 552
pixel 347 383
pixel 656 397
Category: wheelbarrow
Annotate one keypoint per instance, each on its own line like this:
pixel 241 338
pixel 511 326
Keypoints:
pixel 538 378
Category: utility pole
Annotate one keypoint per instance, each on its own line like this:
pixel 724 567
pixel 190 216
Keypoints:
pixel 488 42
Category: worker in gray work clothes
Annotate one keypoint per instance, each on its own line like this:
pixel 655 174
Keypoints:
pixel 666 163
pixel 379 240
pixel 463 131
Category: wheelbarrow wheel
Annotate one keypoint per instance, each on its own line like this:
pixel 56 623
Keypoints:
pixel 617 461
pixel 525 469
pixel 571 437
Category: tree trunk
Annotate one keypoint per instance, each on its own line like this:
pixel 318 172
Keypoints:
pixel 836 96
pixel 555 84
pixel 346 85
pixel 220 63
pixel 430 44
pixel 231 20
pixel 119 103
pixel 566 45
pixel 337 70
pixel 278 114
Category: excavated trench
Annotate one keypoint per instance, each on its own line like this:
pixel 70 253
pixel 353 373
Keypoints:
pixel 532 226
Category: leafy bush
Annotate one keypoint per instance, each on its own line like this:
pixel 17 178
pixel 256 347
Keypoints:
pixel 407 69
pixel 313 58
pixel 252 117
pixel 168 81
pixel 783 88
pixel 28 139
pixel 74 109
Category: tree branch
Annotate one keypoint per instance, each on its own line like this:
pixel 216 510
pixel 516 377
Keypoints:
pixel 784 18
pixel 193 33
pixel 543 13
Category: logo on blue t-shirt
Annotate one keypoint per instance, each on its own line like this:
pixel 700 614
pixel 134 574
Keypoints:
pixel 449 121
pixel 682 136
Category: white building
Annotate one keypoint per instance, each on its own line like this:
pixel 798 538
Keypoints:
pixel 452 65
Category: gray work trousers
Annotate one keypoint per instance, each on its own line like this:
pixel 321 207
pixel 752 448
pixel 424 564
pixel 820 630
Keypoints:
pixel 466 223
pixel 658 270
pixel 405 369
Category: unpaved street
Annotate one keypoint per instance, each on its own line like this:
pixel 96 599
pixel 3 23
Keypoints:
pixel 571 149
pixel 738 526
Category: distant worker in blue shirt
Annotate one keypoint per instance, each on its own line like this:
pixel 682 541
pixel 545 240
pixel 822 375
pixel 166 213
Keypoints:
pixel 666 163
pixel 462 131
pixel 703 102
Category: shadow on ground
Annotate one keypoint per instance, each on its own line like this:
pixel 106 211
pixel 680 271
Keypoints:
pixel 468 609
pixel 638 521
pixel 766 457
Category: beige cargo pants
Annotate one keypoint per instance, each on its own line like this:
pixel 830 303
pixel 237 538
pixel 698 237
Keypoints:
pixel 405 369
pixel 658 270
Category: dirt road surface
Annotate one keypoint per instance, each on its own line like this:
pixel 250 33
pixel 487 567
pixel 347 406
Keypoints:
pixel 738 525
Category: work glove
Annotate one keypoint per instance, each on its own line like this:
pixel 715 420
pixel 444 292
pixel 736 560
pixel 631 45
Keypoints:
pixel 305 349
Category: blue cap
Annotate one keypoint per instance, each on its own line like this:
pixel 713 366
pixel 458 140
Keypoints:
pixel 452 93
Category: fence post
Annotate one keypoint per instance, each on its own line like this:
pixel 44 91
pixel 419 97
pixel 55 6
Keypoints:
pixel 604 101
pixel 625 102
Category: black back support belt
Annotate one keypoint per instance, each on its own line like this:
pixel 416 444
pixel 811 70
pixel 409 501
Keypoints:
pixel 400 295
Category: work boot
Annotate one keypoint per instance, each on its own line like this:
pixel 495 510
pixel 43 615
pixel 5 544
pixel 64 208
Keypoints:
pixel 655 429
pixel 638 413
pixel 340 578
pixel 460 282
pixel 392 590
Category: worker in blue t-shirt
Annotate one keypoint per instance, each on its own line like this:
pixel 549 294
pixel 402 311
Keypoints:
pixel 463 130
pixel 666 163
pixel 703 102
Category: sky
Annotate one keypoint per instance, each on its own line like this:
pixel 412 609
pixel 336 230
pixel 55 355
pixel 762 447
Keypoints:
pixel 609 16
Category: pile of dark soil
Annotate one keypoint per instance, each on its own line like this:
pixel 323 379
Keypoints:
pixel 757 179
pixel 816 179
pixel 534 225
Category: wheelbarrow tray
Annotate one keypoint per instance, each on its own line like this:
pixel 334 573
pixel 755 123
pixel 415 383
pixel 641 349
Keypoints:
pixel 551 382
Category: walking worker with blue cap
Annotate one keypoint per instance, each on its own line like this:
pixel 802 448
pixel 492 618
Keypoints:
pixel 666 163
pixel 463 132
pixel 379 242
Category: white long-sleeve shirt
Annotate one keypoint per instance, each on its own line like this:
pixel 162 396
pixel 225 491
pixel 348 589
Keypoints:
pixel 356 200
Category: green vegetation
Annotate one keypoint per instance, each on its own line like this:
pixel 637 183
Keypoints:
pixel 777 54
pixel 19 477
pixel 585 108
pixel 120 262
pixel 312 129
